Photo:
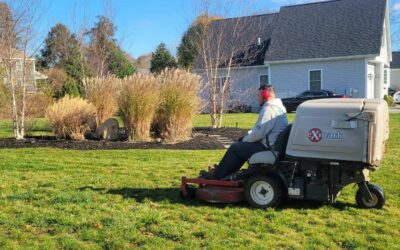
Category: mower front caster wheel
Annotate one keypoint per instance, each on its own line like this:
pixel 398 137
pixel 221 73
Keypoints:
pixel 191 193
pixel 378 197
pixel 263 192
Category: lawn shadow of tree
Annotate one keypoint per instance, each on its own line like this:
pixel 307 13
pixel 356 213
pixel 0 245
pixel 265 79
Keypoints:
pixel 171 195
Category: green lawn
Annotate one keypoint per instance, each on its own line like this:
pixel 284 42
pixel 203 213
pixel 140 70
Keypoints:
pixel 115 199
pixel 232 120
pixel 35 127
pixel 41 126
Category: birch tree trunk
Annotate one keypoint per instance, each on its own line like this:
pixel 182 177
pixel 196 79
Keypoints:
pixel 221 44
pixel 16 22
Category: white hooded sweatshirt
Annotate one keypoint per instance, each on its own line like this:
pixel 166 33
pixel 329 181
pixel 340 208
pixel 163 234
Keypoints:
pixel 272 119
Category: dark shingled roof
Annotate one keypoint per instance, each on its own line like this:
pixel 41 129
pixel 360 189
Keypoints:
pixel 239 37
pixel 395 64
pixel 328 29
pixel 315 30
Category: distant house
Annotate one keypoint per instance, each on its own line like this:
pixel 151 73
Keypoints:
pixel 341 45
pixel 395 71
pixel 31 75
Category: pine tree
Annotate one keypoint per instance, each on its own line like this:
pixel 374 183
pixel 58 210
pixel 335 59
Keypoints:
pixel 162 59
pixel 191 39
pixel 61 51
pixel 119 64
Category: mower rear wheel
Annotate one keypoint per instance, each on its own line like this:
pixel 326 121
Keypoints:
pixel 378 197
pixel 263 192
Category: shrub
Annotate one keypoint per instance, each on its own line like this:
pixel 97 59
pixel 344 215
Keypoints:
pixel 389 100
pixel 137 103
pixel 54 84
pixel 103 93
pixel 179 102
pixel 71 87
pixel 71 118
pixel 59 83
pixel 37 104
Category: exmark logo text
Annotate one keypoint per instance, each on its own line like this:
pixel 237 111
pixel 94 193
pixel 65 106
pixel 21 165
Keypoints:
pixel 316 135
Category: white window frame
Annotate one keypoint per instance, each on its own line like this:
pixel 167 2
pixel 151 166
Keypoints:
pixel 259 79
pixel 386 74
pixel 18 65
pixel 309 78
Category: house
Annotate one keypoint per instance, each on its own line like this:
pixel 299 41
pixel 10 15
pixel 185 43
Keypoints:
pixel 395 71
pixel 31 76
pixel 340 45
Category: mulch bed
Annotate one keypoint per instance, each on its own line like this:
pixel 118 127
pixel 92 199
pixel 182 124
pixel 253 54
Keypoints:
pixel 202 139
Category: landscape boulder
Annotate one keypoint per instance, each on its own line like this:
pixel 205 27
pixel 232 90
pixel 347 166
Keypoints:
pixel 109 130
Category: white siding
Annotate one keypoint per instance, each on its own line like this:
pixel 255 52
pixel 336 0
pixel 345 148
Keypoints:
pixel 244 85
pixel 342 76
pixel 395 79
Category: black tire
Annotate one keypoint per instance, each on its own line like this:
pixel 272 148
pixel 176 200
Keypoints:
pixel 191 193
pixel 378 197
pixel 263 191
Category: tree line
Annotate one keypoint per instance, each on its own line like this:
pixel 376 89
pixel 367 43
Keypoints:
pixel 67 60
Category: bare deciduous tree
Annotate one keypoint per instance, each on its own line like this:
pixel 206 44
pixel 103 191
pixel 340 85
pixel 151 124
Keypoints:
pixel 80 24
pixel 224 45
pixel 17 20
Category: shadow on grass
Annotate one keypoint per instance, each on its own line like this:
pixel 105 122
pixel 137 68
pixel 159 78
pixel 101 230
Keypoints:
pixel 171 195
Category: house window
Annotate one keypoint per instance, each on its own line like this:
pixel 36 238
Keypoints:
pixel 315 79
pixel 385 76
pixel 264 81
pixel 18 66
pixel 220 82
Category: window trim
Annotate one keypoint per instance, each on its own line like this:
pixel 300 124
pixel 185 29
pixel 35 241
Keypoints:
pixel 309 78
pixel 259 79
pixel 385 75
pixel 18 66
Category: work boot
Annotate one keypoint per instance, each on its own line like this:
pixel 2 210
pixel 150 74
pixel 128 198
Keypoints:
pixel 207 175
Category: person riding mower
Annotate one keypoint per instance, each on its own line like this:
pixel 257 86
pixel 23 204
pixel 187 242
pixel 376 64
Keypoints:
pixel 331 144
pixel 272 120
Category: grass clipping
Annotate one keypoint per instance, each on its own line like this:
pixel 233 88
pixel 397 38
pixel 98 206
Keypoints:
pixel 179 103
pixel 138 102
pixel 103 94
pixel 71 118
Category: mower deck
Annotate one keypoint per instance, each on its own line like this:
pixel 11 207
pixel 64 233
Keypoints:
pixel 215 191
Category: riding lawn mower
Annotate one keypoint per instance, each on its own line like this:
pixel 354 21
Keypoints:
pixel 331 144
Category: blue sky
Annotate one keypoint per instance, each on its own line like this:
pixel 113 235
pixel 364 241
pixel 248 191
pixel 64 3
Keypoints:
pixel 141 25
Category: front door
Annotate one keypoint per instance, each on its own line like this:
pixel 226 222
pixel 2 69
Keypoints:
pixel 371 81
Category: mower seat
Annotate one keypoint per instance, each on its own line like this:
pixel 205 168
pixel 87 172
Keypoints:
pixel 263 157
pixel 269 158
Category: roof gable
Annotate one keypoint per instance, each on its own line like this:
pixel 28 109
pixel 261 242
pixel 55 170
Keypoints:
pixel 237 39
pixel 338 28
pixel 328 29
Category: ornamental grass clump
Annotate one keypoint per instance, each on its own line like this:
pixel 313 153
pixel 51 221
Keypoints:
pixel 179 103
pixel 71 118
pixel 138 102
pixel 103 92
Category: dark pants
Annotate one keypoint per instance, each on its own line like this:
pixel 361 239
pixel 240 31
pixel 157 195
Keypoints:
pixel 236 156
